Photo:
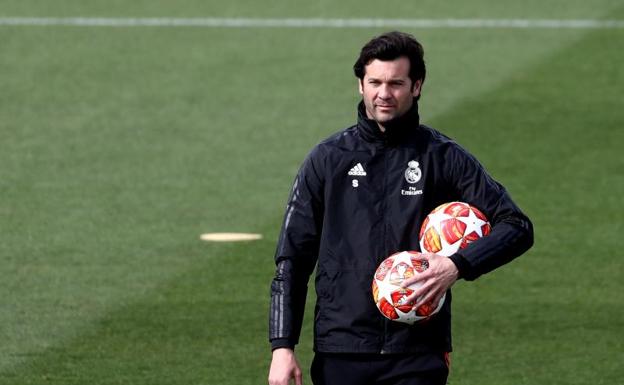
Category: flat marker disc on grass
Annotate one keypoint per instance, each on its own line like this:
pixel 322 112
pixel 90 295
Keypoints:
pixel 229 237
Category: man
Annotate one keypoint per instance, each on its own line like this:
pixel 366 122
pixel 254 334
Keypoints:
pixel 360 196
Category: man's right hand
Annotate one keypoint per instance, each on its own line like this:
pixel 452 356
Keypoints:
pixel 284 366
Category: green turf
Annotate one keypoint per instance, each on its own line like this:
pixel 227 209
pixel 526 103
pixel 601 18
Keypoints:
pixel 566 9
pixel 120 146
pixel 556 145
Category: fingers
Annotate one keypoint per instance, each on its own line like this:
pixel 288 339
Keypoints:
pixel 284 379
pixel 426 285
pixel 298 377
pixel 431 299
pixel 433 282
pixel 425 294
pixel 425 275
pixel 284 366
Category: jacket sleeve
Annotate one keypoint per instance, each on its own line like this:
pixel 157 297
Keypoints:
pixel 512 231
pixel 296 255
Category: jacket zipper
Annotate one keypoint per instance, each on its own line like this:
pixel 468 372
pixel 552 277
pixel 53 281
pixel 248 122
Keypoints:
pixel 385 232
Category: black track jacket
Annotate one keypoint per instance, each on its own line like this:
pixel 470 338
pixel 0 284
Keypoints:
pixel 353 203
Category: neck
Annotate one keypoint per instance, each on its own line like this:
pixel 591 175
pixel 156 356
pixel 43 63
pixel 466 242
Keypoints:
pixel 382 128
pixel 390 131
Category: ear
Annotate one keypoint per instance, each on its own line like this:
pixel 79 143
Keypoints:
pixel 416 88
pixel 361 86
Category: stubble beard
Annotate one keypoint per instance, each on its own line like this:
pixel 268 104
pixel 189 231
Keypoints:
pixel 383 119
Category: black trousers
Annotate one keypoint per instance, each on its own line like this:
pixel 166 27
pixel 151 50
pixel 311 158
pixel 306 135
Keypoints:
pixel 378 369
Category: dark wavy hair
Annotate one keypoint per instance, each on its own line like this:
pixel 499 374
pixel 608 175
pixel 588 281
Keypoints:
pixel 391 46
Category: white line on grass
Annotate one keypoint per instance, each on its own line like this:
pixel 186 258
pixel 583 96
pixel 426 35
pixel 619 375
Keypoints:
pixel 212 22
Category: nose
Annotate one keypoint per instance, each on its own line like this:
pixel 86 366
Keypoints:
pixel 384 92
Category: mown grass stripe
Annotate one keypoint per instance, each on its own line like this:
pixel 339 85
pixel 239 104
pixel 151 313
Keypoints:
pixel 214 22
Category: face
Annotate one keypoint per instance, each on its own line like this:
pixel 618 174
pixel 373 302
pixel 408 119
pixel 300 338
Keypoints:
pixel 387 89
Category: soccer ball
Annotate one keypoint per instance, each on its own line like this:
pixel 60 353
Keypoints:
pixel 390 297
pixel 452 226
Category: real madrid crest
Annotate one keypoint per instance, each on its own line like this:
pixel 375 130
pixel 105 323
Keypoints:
pixel 413 172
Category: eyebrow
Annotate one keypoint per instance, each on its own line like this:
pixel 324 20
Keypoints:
pixel 393 80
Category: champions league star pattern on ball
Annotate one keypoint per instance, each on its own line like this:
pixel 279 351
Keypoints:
pixel 452 226
pixel 390 297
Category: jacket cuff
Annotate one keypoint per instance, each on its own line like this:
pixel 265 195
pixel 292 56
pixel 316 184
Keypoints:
pixel 462 265
pixel 281 343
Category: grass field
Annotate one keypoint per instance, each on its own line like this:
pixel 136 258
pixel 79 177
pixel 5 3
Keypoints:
pixel 119 146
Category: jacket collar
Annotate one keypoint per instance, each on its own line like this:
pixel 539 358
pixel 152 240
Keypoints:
pixel 396 131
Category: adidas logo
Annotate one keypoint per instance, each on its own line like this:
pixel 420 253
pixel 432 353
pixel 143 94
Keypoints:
pixel 357 170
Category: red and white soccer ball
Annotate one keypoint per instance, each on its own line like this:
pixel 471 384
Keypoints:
pixel 452 226
pixel 390 297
